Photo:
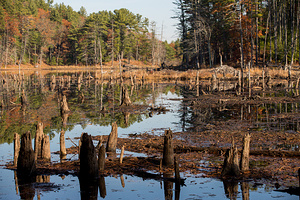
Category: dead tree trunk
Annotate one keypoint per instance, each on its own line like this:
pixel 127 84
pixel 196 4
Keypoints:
pixel 231 162
pixel 125 101
pixel 112 138
pixel 46 153
pixel 38 140
pixel 122 154
pixel 23 99
pixel 176 169
pixel 244 162
pixel 101 158
pixel 88 158
pixel 64 105
pixel 16 148
pixel 26 162
pixel 62 143
pixel 168 151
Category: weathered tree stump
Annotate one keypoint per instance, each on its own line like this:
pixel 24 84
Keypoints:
pixel 231 162
pixel 62 143
pixel 102 187
pixel 26 165
pixel 112 138
pixel 88 158
pixel 176 169
pixel 125 100
pixel 16 148
pixel 38 140
pixel 244 162
pixel 64 108
pixel 101 158
pixel 122 154
pixel 168 151
pixel 46 153
pixel 23 99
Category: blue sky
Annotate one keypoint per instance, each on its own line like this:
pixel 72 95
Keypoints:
pixel 159 11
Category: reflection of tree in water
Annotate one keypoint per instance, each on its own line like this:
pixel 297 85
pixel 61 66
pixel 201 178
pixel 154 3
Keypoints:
pixel 231 189
pixel 44 92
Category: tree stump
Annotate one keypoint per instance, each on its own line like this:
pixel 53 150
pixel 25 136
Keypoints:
pixel 102 187
pixel 244 162
pixel 26 165
pixel 38 140
pixel 231 162
pixel 23 99
pixel 46 153
pixel 176 169
pixel 101 158
pixel 88 158
pixel 62 143
pixel 168 151
pixel 64 105
pixel 125 100
pixel 112 138
pixel 16 148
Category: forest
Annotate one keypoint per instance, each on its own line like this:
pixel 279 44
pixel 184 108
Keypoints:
pixel 39 32
pixel 240 32
pixel 211 32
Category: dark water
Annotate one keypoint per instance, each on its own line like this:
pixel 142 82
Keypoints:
pixel 86 117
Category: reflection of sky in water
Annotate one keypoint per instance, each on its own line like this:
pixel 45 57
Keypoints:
pixel 135 188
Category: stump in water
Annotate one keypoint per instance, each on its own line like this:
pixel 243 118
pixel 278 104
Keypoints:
pixel 46 153
pixel 168 151
pixel 101 158
pixel 125 101
pixel 112 138
pixel 23 99
pixel 176 169
pixel 244 162
pixel 231 162
pixel 38 140
pixel 88 158
pixel 64 105
pixel 26 166
pixel 62 143
pixel 16 148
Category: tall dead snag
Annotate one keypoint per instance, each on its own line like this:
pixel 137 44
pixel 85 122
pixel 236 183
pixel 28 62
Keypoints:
pixel 231 162
pixel 46 153
pixel 64 105
pixel 16 148
pixel 244 162
pixel 125 101
pixel 168 152
pixel 112 138
pixel 62 143
pixel 26 165
pixel 38 140
pixel 101 158
pixel 88 158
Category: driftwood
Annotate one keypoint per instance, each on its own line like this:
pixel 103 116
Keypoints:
pixel 16 148
pixel 26 165
pixel 112 138
pixel 168 151
pixel 88 158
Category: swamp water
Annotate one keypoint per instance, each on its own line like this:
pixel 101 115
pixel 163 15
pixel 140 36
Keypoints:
pixel 87 117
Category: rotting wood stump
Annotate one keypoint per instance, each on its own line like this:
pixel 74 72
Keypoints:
pixel 38 140
pixel 88 158
pixel 231 162
pixel 62 143
pixel 168 151
pixel 125 100
pixel 46 153
pixel 111 145
pixel 101 158
pixel 16 148
pixel 26 165
pixel 244 162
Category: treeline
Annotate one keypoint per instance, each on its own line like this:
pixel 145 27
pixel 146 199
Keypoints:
pixel 36 32
pixel 243 32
